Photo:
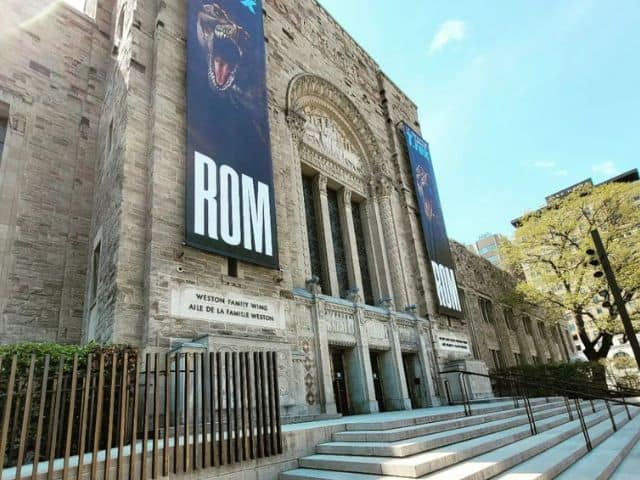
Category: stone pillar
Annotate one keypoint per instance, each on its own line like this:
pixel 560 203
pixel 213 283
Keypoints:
pixel 323 356
pixel 537 341
pixel 395 391
pixel 521 336
pixel 350 244
pixel 377 251
pixel 362 390
pixel 562 340
pixel 504 341
pixel 328 255
pixel 427 359
pixel 299 275
pixel 385 190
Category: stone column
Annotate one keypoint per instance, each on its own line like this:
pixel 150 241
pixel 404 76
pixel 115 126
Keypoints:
pixel 537 341
pixel 427 359
pixel 378 255
pixel 562 340
pixel 521 336
pixel 503 341
pixel 362 390
pixel 350 244
pixel 328 255
pixel 385 190
pixel 323 356
pixel 396 391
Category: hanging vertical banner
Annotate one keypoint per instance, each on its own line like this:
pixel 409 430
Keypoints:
pixel 433 227
pixel 230 205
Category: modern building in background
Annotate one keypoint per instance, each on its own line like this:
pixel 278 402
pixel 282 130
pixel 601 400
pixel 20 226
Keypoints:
pixel 487 246
pixel 626 177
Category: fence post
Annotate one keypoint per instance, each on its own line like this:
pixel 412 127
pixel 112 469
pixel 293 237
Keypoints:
pixel 26 417
pixel 43 399
pixel 72 401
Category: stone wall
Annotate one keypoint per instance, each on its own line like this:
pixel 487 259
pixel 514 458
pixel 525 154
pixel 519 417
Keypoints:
pixel 479 278
pixel 52 84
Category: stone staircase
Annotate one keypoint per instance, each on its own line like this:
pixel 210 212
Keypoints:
pixel 494 442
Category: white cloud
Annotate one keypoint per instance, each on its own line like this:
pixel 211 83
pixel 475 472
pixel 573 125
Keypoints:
pixel 544 164
pixel 560 173
pixel 605 168
pixel 450 31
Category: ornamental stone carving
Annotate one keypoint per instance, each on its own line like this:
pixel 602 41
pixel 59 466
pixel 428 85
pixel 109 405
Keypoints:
pixel 296 124
pixel 334 124
pixel 323 133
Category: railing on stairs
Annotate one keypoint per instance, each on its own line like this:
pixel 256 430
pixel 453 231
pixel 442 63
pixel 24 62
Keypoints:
pixel 520 388
pixel 114 416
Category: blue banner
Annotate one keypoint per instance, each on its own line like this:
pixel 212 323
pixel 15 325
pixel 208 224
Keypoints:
pixel 433 226
pixel 230 204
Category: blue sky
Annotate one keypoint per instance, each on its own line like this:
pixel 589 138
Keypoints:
pixel 518 99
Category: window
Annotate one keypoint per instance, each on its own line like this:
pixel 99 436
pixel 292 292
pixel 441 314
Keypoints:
pixel 508 318
pixel 4 124
pixel 526 320
pixel 232 267
pixel 110 137
pixel 494 259
pixel 312 228
pixel 487 309
pixel 575 337
pixel 490 248
pixel 338 243
pixel 367 289
pixel 518 358
pixel 95 275
pixel 543 331
pixel 535 359
pixel 496 357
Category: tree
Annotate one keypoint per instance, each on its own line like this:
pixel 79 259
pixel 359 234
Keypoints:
pixel 549 248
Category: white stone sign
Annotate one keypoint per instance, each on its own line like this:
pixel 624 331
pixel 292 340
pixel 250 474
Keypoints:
pixel 452 342
pixel 227 307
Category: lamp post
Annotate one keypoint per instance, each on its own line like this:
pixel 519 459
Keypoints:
pixel 600 257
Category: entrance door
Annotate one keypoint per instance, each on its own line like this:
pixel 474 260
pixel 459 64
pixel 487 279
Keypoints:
pixel 340 391
pixel 413 381
pixel 377 380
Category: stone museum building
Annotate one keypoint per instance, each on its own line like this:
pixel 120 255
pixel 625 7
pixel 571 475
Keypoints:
pixel 94 179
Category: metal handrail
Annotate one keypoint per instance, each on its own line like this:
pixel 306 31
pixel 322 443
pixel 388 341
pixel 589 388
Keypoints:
pixel 517 385
pixel 591 385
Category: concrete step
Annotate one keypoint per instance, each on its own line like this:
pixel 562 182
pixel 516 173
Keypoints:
pixel 502 459
pixel 609 449
pixel 412 446
pixel 423 463
pixel 389 421
pixel 630 466
pixel 414 431
pixel 481 467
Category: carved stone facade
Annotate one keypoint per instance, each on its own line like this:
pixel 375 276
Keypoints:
pixel 98 254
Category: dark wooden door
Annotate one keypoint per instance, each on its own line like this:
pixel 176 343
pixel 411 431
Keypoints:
pixel 377 380
pixel 340 391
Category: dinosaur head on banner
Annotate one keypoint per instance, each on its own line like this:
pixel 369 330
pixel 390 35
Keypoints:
pixel 224 42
